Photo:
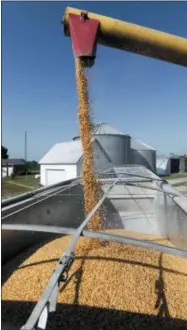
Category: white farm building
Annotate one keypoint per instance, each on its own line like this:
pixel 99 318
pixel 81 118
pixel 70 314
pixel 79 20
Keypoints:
pixel 111 148
pixel 8 166
pixel 64 161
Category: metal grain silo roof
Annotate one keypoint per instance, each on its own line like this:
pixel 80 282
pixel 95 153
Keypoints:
pixel 115 143
pixel 105 129
pixel 139 145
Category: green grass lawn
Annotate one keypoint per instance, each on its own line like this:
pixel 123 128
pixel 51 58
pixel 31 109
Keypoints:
pixel 175 176
pixel 180 184
pixel 10 187
pixel 28 180
pixel 10 190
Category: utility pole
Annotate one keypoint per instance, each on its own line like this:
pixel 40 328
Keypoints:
pixel 26 151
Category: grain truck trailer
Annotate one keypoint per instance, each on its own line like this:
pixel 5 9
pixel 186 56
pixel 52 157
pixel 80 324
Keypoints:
pixel 138 200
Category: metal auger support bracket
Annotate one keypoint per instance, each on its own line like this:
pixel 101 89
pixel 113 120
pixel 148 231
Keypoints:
pixel 83 32
pixel 48 302
pixel 68 263
pixel 40 312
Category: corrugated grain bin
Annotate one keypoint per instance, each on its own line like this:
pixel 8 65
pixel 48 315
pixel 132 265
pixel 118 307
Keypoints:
pixel 115 143
pixel 143 154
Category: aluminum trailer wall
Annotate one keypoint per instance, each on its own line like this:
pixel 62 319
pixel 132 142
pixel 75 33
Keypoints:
pixel 143 210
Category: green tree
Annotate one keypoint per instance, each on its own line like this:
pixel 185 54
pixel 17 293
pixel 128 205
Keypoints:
pixel 33 166
pixel 4 153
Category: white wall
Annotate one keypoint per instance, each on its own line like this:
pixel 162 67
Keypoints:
pixel 163 165
pixel 70 172
pixel 4 171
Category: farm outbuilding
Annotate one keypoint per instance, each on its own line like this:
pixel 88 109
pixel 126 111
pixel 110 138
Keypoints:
pixel 111 148
pixel 163 165
pixel 166 165
pixel 8 165
pixel 64 161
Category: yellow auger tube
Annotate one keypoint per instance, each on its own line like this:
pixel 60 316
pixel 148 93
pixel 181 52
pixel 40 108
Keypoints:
pixel 134 38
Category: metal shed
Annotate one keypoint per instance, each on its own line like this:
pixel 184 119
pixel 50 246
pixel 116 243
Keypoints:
pixel 115 143
pixel 64 161
pixel 163 165
pixel 166 165
pixel 8 165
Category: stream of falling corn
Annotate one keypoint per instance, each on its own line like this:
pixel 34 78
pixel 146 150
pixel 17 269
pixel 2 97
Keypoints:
pixel 154 294
pixel 90 184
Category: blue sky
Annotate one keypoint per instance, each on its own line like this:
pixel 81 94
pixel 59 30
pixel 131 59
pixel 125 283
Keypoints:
pixel 144 97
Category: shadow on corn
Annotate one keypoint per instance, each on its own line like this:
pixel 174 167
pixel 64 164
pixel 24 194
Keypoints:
pixel 77 276
pixel 161 303
pixel 70 317
pixel 123 261
pixel 78 317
